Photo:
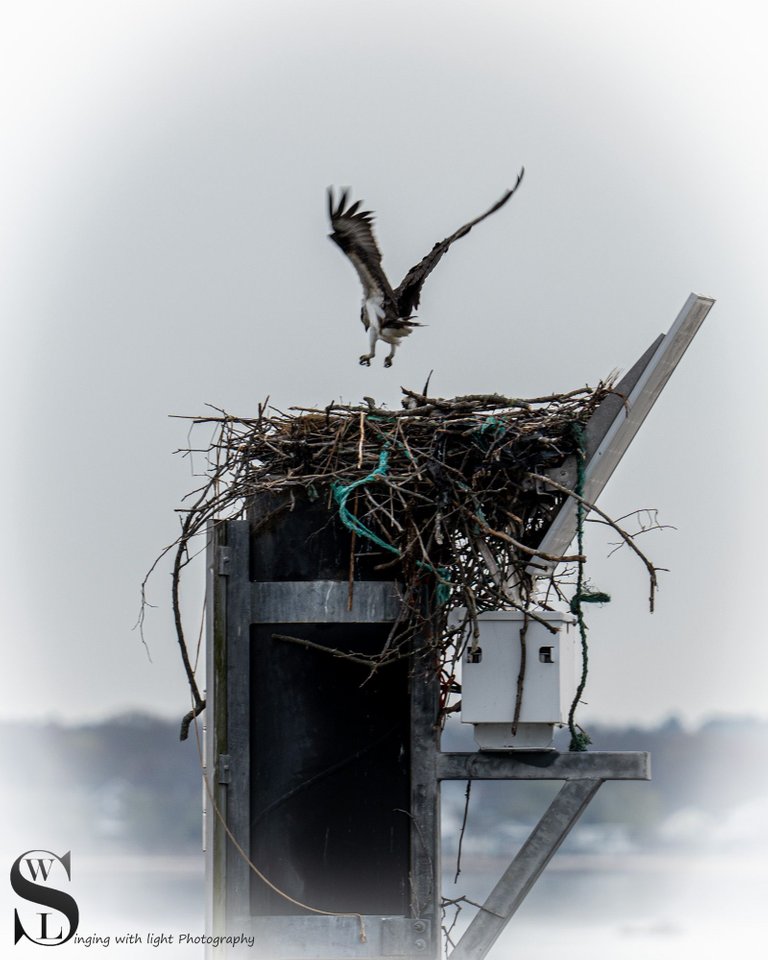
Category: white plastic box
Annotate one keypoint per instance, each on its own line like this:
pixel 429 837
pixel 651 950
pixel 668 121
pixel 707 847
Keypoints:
pixel 490 675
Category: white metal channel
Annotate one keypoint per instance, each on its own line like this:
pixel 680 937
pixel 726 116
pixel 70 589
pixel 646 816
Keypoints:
pixel 623 429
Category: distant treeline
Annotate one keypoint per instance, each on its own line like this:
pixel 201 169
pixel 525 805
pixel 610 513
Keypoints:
pixel 699 776
pixel 128 783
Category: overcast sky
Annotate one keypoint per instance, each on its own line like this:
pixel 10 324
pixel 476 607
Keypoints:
pixel 163 240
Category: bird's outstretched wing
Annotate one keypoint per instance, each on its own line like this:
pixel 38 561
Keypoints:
pixel 408 292
pixel 353 232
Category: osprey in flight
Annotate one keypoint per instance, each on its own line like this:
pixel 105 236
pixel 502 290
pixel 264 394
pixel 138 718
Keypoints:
pixel 387 313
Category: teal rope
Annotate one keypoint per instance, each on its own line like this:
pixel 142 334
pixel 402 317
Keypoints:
pixel 443 591
pixel 586 597
pixel 492 423
pixel 341 494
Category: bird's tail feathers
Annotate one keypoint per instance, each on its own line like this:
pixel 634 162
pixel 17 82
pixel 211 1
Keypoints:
pixel 403 323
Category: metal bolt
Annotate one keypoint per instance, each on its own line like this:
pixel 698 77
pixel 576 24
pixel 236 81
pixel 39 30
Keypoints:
pixel 419 926
pixel 420 944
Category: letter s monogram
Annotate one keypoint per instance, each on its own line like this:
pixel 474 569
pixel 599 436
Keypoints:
pixel 39 866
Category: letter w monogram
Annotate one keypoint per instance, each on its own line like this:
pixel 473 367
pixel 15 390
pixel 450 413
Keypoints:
pixel 43 867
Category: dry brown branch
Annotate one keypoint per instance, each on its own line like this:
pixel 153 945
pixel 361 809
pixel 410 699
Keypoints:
pixel 300 641
pixel 627 538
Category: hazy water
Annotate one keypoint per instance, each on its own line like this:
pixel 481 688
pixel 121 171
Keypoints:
pixel 631 907
pixel 583 908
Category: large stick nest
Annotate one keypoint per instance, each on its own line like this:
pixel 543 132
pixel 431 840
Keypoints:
pixel 444 488
pixel 451 497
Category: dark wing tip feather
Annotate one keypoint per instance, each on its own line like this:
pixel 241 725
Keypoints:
pixel 336 208
pixel 507 195
pixel 345 217
pixel 518 181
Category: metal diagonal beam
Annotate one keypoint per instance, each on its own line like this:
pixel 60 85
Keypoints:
pixel 604 456
pixel 604 416
pixel 525 869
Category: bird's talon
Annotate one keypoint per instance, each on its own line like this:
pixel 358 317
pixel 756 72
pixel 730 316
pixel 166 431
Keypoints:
pixel 388 362
pixel 365 361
